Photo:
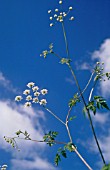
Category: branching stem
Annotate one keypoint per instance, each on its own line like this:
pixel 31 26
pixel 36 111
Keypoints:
pixel 89 116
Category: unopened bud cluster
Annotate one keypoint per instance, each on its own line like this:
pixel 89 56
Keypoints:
pixel 46 52
pixel 33 95
pixel 58 15
pixel 99 72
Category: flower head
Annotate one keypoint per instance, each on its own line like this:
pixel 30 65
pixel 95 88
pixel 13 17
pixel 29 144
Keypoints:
pixel 29 97
pixel 35 100
pixel 56 10
pixel 36 93
pixel 51 18
pixel 70 8
pixel 26 92
pixel 51 24
pixel 27 104
pixel 30 85
pixel 49 11
pixel 60 2
pixel 44 91
pixel 43 102
pixel 35 88
pixel 72 18
pixel 18 98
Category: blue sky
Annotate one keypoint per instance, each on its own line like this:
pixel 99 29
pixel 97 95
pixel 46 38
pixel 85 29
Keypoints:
pixel 24 34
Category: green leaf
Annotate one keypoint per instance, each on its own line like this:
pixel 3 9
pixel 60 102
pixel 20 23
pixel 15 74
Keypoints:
pixel 74 100
pixel 106 167
pixel 71 118
pixel 63 152
pixel 101 102
pixel 57 159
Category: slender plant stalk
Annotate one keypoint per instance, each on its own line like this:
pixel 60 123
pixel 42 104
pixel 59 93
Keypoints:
pixel 54 115
pixel 77 84
pixel 64 33
pixel 87 84
pixel 91 92
pixel 67 121
pixel 76 151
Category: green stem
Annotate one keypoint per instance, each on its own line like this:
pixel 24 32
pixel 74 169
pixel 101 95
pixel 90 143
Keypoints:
pixel 89 116
pixel 64 33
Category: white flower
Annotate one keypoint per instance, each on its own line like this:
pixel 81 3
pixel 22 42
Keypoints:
pixel 30 85
pixel 35 88
pixel 36 93
pixel 44 91
pixel 61 20
pixel 43 102
pixel 55 15
pixel 18 98
pixel 29 97
pixel 51 18
pixel 56 10
pixel 27 104
pixel 49 11
pixel 60 2
pixel 4 166
pixel 26 92
pixel 70 8
pixel 72 18
pixel 51 24
pixel 64 15
pixel 35 100
pixel 61 13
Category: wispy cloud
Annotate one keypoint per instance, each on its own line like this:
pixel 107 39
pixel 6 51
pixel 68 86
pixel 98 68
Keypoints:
pixel 6 83
pixel 100 118
pixel 36 164
pixel 82 65
pixel 103 55
pixel 70 80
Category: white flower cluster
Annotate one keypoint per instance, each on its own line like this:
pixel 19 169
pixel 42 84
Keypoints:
pixel 59 16
pixel 32 95
pixel 3 167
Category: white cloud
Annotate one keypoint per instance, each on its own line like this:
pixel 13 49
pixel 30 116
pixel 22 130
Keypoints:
pixel 82 65
pixel 103 55
pixel 6 83
pixel 13 118
pixel 36 164
pixel 100 118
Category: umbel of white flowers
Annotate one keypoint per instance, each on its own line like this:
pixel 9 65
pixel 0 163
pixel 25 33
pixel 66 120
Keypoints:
pixel 33 95
pixel 58 15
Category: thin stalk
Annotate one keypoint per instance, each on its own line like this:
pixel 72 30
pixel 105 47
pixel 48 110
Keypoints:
pixel 56 55
pixel 68 132
pixel 91 92
pixel 64 33
pixel 89 116
pixel 67 117
pixel 76 151
pixel 87 83
pixel 54 115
